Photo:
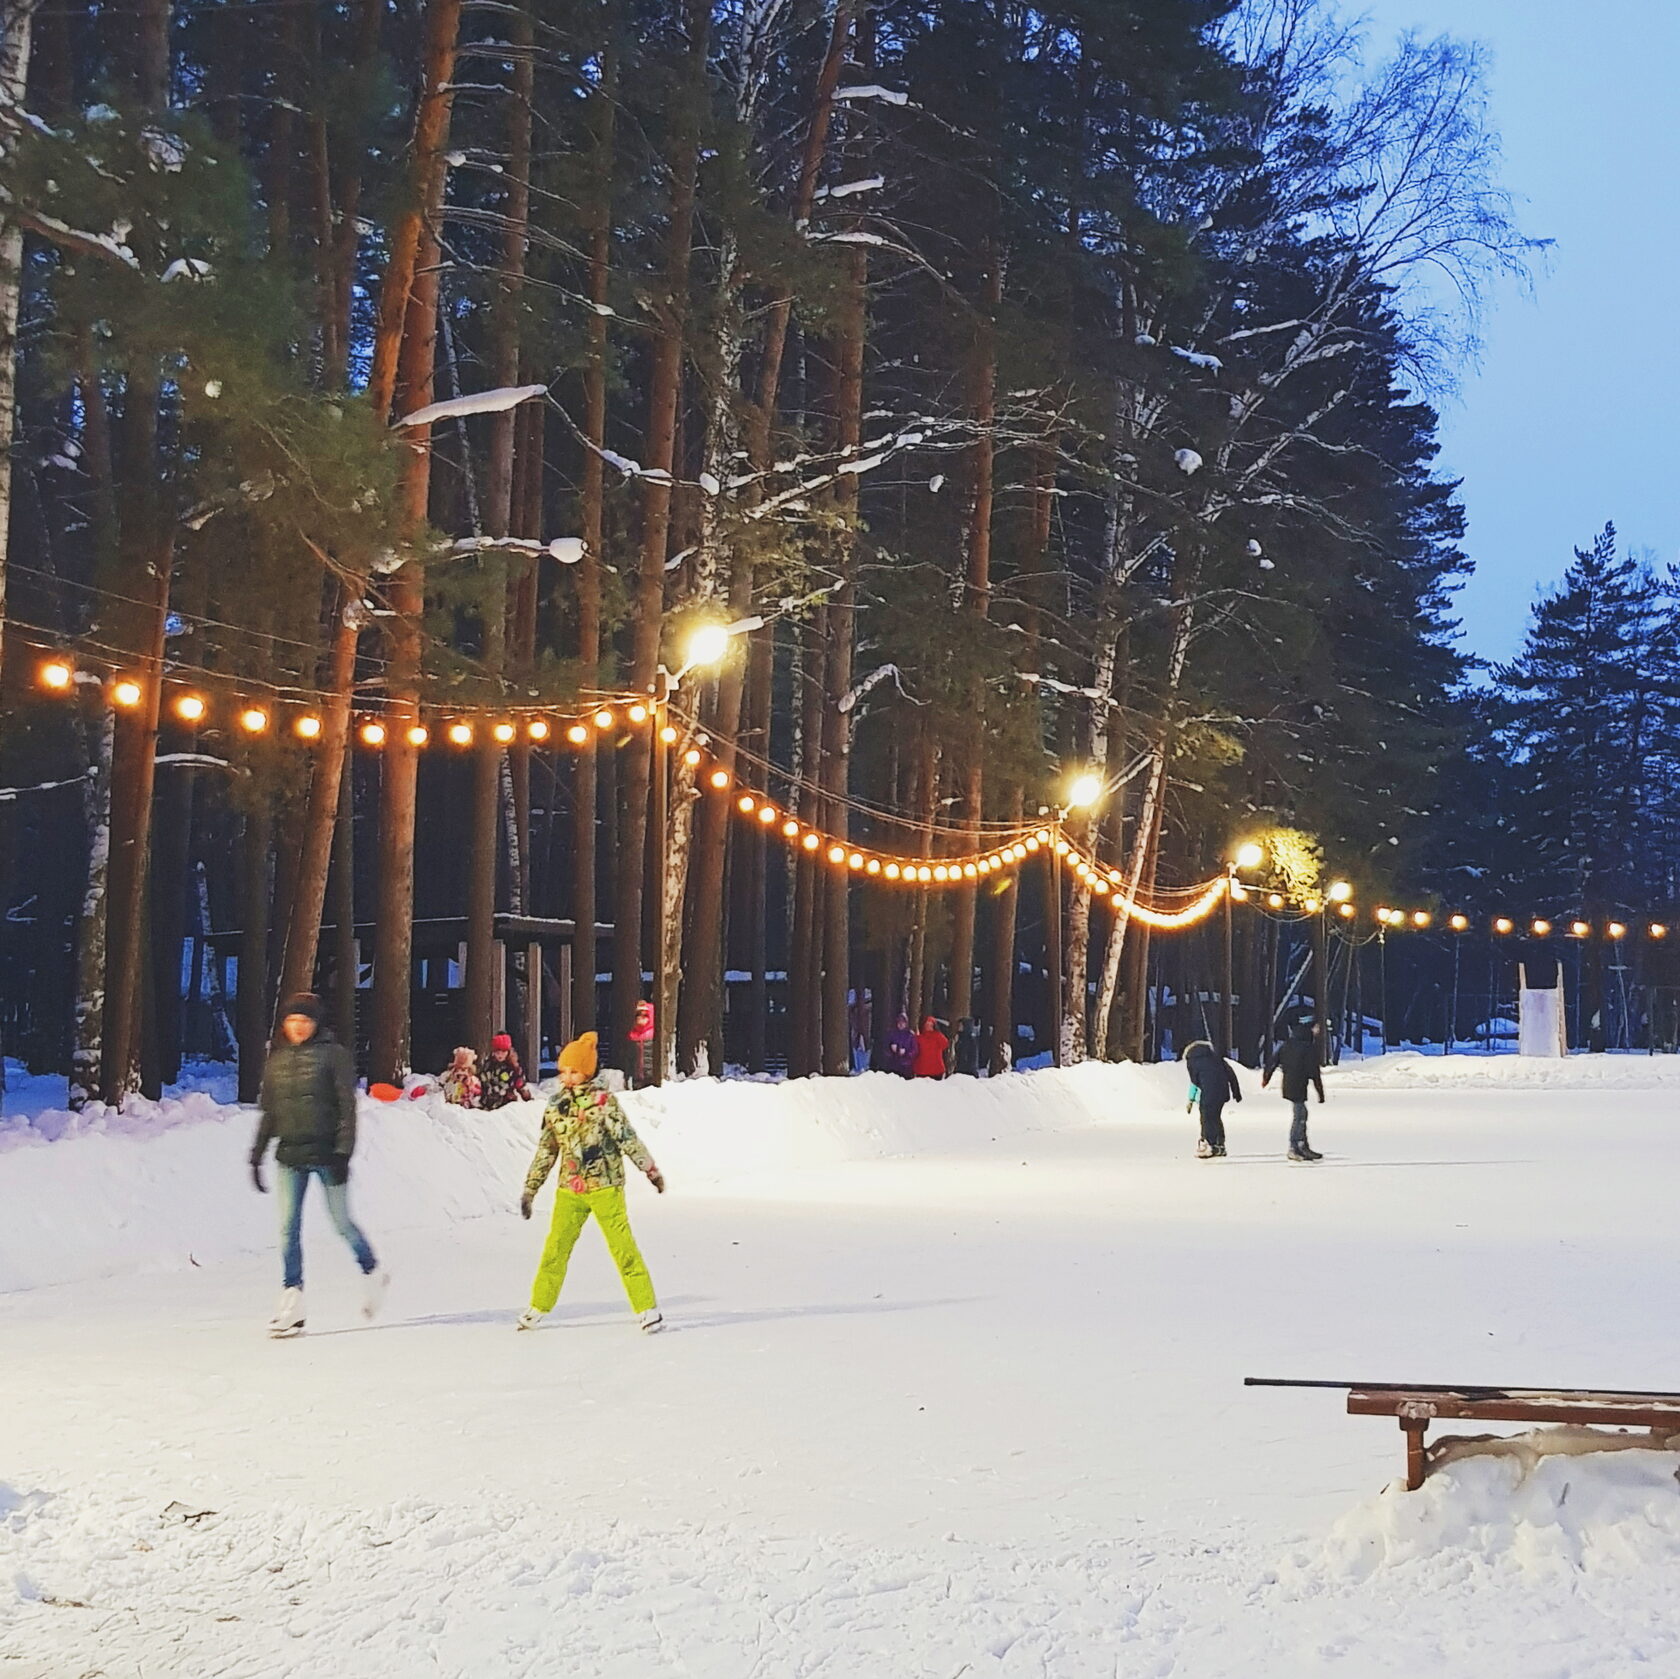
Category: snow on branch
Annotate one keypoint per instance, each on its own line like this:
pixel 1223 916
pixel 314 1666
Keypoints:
pixel 480 402
pixel 881 673
pixel 871 90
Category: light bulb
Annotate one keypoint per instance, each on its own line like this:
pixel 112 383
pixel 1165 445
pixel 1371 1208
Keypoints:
pixel 308 727
pixel 373 734
pixel 537 729
pixel 503 732
pixel 190 708
pixel 57 675
pixel 253 719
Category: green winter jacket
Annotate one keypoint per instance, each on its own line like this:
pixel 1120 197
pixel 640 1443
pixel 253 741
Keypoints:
pixel 308 1103
pixel 587 1132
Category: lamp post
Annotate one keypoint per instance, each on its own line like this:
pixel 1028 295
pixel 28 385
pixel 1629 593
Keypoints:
pixel 1083 794
pixel 706 646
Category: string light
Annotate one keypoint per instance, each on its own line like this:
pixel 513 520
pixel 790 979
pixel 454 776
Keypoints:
pixel 308 727
pixel 638 713
pixel 1542 928
pixel 1502 925
pixel 503 733
pixel 811 842
pixel 1658 931
pixel 190 708
pixel 892 871
pixel 418 734
pixel 873 866
pixel 1275 901
pixel 1346 911
pixel 604 719
pixel 855 860
pixel 1579 929
pixel 746 804
pixel 1459 923
pixel 668 735
pixel 1616 930
pixel 767 814
pixel 373 734
pixel 791 828
pixel 720 779
pixel 253 719
pixel 57 675
pixel 537 729
pixel 837 854
pixel 577 734
pixel 1421 919
pixel 126 692
pixel 924 873
pixel 692 757
pixel 460 734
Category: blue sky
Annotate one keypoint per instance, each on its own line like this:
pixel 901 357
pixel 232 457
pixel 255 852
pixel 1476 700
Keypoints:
pixel 1571 417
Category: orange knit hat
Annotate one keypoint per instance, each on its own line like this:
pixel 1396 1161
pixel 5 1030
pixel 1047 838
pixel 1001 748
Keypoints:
pixel 579 1056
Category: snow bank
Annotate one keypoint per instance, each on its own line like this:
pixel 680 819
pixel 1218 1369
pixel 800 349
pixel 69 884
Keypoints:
pixel 166 1185
pixel 1513 1072
pixel 1566 1514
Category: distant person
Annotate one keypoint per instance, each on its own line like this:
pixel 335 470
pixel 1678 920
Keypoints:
pixel 641 1035
pixel 965 1051
pixel 1297 1060
pixel 586 1133
pixel 308 1106
pixel 932 1048
pixel 459 1080
pixel 501 1078
pixel 899 1051
pixel 1213 1083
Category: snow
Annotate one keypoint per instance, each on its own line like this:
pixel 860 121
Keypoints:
pixel 849 189
pixel 1188 461
pixel 479 402
pixel 186 268
pixel 872 90
pixel 1198 358
pixel 952 1385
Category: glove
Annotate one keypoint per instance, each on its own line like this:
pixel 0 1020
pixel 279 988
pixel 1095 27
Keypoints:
pixel 656 1178
pixel 338 1169
pixel 256 1174
pixel 525 1205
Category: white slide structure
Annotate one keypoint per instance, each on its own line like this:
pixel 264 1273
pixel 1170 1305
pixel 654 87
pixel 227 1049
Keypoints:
pixel 1540 1024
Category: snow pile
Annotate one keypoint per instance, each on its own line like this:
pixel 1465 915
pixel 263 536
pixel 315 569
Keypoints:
pixel 166 1184
pixel 1552 1517
pixel 1514 1072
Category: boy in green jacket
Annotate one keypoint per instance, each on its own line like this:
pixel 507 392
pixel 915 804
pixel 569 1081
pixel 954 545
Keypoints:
pixel 586 1131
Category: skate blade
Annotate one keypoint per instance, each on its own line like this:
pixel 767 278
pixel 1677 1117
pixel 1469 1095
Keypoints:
pixel 290 1334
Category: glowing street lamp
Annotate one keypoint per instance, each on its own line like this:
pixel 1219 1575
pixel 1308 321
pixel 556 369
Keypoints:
pixel 1084 792
pixel 1250 855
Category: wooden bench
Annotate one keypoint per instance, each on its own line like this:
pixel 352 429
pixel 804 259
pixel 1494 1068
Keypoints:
pixel 1418 1404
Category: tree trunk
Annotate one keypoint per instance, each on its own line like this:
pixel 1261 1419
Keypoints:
pixel 16 33
pixel 393 960
pixel 252 1009
pixel 86 1049
pixel 302 928
pixel 416 222
pixel 343 886
pixel 586 786
pixel 659 449
pixel 171 854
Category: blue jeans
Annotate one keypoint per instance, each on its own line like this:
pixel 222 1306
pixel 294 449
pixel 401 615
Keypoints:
pixel 1298 1129
pixel 293 1179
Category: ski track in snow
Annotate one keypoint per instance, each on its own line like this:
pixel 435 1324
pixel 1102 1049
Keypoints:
pixel 932 1404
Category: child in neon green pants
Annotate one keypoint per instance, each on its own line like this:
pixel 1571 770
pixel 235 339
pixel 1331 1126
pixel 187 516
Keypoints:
pixel 586 1132
pixel 571 1213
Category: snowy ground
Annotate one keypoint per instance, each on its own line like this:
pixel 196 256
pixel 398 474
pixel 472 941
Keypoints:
pixel 974 1409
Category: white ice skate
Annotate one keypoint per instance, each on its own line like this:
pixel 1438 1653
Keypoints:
pixel 530 1318
pixel 288 1315
pixel 652 1322
pixel 374 1285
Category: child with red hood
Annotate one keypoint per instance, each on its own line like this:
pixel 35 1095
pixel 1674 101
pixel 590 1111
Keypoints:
pixel 501 1079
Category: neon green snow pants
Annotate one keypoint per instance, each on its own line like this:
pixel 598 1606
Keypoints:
pixel 571 1213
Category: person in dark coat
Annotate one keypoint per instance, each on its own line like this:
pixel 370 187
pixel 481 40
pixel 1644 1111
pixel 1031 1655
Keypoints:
pixel 1297 1060
pixel 501 1078
pixel 308 1106
pixel 1215 1082
pixel 932 1048
pixel 899 1051
pixel 965 1052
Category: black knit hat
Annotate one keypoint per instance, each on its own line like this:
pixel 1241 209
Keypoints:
pixel 307 1004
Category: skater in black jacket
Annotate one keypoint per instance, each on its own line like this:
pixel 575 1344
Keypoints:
pixel 1297 1060
pixel 1215 1083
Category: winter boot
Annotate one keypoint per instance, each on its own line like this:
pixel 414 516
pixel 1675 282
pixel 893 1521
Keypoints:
pixel 652 1322
pixel 1217 1152
pixel 530 1318
pixel 1204 1149
pixel 1311 1153
pixel 288 1315
pixel 374 1285
pixel 1304 1154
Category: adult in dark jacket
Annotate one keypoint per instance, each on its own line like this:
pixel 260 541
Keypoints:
pixel 1297 1060
pixel 899 1051
pixel 309 1113
pixel 965 1052
pixel 1215 1081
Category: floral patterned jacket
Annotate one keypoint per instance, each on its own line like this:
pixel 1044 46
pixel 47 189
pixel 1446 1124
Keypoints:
pixel 586 1131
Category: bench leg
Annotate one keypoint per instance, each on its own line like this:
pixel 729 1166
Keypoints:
pixel 1417 1458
